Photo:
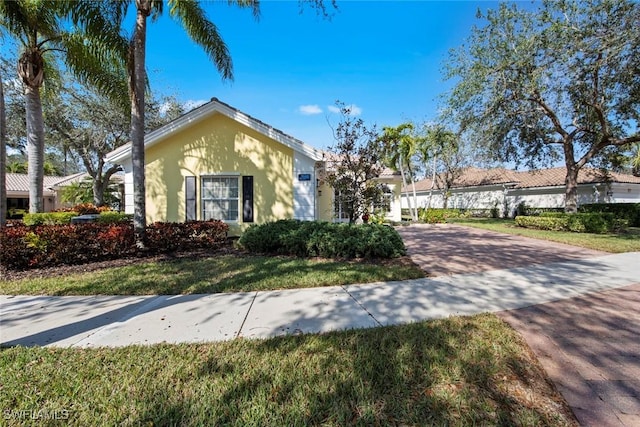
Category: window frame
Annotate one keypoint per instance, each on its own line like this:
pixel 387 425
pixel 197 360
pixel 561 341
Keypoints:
pixel 236 199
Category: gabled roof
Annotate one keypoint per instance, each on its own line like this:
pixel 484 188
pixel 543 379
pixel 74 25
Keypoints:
pixel 215 106
pixel 554 177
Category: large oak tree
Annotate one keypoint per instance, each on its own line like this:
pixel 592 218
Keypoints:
pixel 561 80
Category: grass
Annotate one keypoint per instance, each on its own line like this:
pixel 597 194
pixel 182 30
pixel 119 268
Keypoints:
pixel 611 242
pixel 457 372
pixel 225 273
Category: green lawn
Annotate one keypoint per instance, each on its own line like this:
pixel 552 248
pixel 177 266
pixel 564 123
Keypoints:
pixel 614 243
pixel 224 273
pixel 457 372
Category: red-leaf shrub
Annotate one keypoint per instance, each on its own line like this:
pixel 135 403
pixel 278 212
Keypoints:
pixel 170 236
pixel 48 245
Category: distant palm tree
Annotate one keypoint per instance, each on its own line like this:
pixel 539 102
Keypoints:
pixel 204 33
pixel 87 49
pixel 399 146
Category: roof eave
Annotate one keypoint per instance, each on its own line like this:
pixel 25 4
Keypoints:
pixel 200 113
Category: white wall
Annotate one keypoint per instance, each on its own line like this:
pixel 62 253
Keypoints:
pixel 304 192
pixel 488 197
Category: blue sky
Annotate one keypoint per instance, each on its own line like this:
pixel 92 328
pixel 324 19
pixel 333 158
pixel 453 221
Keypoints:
pixel 384 58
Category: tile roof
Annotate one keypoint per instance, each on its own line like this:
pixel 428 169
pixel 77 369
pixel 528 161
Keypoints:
pixel 554 177
pixel 19 183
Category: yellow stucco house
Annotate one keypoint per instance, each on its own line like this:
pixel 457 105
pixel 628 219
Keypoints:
pixel 218 162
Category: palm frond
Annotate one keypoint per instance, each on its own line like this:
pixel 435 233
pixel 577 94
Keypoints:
pixel 94 62
pixel 204 33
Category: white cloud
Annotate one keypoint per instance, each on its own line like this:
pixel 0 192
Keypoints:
pixel 355 110
pixel 309 110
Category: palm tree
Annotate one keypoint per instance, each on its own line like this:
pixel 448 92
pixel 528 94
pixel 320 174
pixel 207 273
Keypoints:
pixel 3 159
pixel 87 49
pixel 204 33
pixel 399 147
pixel 440 143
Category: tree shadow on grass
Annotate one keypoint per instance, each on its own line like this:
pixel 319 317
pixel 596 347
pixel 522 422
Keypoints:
pixel 229 274
pixel 458 371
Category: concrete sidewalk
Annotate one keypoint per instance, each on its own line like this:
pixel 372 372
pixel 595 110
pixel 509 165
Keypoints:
pixel 120 321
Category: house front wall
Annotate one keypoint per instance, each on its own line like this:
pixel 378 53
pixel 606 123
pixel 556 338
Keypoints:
pixel 624 193
pixel 459 198
pixel 220 147
pixel 507 201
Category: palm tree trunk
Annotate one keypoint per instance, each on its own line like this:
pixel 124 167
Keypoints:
pixel 35 148
pixel 414 213
pixel 404 183
pixel 433 181
pixel 3 159
pixel 137 86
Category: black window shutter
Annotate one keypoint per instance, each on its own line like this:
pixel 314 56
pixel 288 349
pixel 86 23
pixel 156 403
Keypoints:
pixel 247 199
pixel 190 198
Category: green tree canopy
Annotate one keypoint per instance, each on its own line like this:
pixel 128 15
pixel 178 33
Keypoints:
pixel 50 32
pixel 560 81
pixel 355 160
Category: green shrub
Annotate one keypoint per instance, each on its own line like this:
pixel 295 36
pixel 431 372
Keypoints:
pixel 436 216
pixel 324 239
pixel 542 222
pixel 623 211
pixel 579 223
pixel 113 217
pixel 553 214
pixel 48 218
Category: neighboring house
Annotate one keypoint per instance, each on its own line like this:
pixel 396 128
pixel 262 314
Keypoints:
pixel 18 193
pixel 216 162
pixel 505 189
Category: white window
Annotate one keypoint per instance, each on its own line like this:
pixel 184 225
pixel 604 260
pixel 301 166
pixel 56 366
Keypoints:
pixel 340 207
pixel 220 196
pixel 385 202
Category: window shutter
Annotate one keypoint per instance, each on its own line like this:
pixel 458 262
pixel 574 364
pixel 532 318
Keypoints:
pixel 190 198
pixel 247 199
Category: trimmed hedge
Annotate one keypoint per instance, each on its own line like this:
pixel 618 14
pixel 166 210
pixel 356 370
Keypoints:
pixel 437 215
pixel 62 218
pixel 628 211
pixel 323 239
pixel 50 245
pixel 48 218
pixel 579 222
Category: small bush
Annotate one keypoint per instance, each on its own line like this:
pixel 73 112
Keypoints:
pixel 113 217
pixel 437 216
pixel 579 223
pixel 624 211
pixel 48 218
pixel 553 214
pixel 171 236
pixel 324 239
pixel 542 222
